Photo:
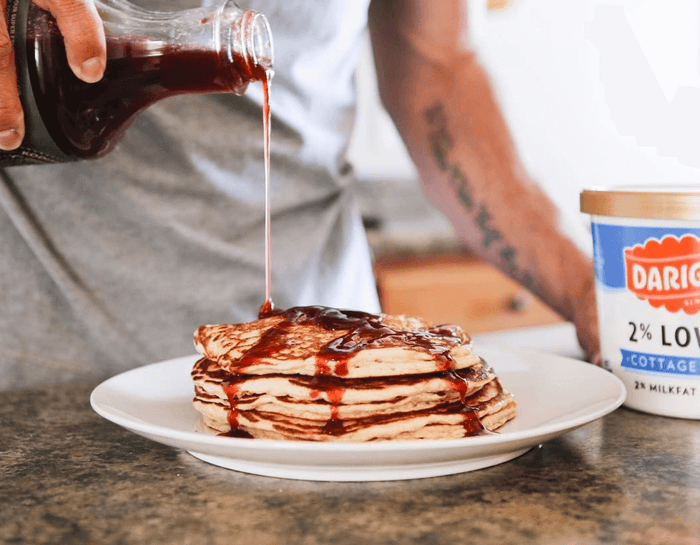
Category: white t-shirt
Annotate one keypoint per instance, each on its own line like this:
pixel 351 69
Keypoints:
pixel 112 263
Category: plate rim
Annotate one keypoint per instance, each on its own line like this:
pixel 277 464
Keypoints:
pixel 197 438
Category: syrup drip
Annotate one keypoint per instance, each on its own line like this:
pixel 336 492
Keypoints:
pixel 230 390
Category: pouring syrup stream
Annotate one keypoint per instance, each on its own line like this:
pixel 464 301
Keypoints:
pixel 259 38
pixel 267 121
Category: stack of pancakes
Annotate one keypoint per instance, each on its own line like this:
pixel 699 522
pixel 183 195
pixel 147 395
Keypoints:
pixel 320 374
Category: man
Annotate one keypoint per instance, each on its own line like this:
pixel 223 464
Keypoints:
pixel 112 263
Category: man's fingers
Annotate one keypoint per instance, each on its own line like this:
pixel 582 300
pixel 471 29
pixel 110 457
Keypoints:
pixel 11 116
pixel 83 34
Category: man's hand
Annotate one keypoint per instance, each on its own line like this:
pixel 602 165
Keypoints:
pixel 83 33
pixel 586 321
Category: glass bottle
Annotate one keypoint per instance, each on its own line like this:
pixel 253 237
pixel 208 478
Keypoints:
pixel 150 56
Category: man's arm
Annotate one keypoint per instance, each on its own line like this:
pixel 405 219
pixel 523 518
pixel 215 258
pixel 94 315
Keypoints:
pixel 443 105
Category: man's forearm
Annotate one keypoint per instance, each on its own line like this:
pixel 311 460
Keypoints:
pixel 503 216
pixel 444 107
pixel 453 128
pixel 472 213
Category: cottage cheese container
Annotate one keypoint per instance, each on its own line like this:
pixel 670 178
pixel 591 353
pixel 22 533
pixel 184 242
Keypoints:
pixel 646 245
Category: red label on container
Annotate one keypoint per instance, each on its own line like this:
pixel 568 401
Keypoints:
pixel 666 273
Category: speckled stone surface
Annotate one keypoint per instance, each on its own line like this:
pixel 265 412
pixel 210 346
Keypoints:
pixel 68 476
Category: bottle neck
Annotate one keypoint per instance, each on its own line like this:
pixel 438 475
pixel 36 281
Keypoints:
pixel 246 35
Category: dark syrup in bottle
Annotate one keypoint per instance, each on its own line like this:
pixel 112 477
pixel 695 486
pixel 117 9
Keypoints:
pixel 87 119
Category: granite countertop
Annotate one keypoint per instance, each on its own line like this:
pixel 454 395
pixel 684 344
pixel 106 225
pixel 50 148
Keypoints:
pixel 69 476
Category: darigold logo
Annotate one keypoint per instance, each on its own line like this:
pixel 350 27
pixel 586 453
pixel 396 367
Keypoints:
pixel 666 273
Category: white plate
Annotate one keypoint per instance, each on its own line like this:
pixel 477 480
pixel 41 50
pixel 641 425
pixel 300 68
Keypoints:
pixel 554 394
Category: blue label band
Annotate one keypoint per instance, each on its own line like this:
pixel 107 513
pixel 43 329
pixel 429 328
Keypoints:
pixel 609 242
pixel 656 363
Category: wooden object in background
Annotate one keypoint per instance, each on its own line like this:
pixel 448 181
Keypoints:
pixel 458 289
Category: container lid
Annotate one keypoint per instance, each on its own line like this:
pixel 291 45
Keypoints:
pixel 682 203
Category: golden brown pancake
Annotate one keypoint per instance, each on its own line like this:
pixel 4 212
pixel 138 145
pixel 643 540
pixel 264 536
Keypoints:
pixel 314 373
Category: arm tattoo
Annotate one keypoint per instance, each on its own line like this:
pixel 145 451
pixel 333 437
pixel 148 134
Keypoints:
pixel 441 142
